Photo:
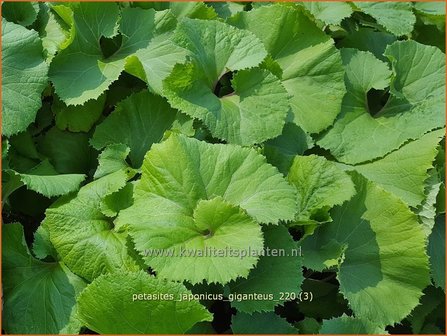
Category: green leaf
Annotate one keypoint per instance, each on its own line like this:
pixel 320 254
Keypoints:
pixel 326 300
pixel 78 118
pixel 403 172
pixel 274 274
pixel 122 199
pixel 38 297
pixel 112 159
pixel 42 247
pixel 436 251
pixel 190 9
pixel 239 175
pixel 427 210
pixel 254 113
pixel 195 241
pixel 308 326
pixel 22 13
pixel 68 152
pixel 24 77
pixel 322 255
pixel 257 108
pixel 84 237
pixel 155 62
pixel 79 72
pixel 349 325
pixel 416 104
pixel 227 9
pixel 328 12
pixel 312 71
pixel 430 8
pixel 182 180
pixel 201 328
pixel 367 39
pixel 84 57
pixel 111 299
pixel 430 35
pixel 45 180
pixel 431 13
pixel 261 323
pixel 383 258
pixel 138 122
pixel 422 81
pixel 320 185
pixel 281 150
pixel 426 311
pixel 396 17
pixel 50 30
pixel 24 145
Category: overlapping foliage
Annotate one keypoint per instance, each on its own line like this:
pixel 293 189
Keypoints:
pixel 315 127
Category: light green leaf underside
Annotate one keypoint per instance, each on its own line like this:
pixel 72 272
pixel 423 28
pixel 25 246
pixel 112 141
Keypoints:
pixel 403 172
pixel 427 210
pixel 416 104
pixel 396 17
pixel 112 159
pixel 63 14
pixel 320 185
pixel 51 31
pixel 84 237
pixel 436 251
pixel 45 180
pixel 261 323
pixel 257 109
pixel 39 297
pixel 328 12
pixel 78 118
pixel 312 71
pixel 349 325
pixel 181 180
pixel 384 259
pixel 144 41
pixel 108 301
pixel 272 274
pixel 138 121
pixel 24 77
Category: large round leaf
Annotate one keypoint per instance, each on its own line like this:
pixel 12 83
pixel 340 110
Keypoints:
pixel 382 258
pixel 137 303
pixel 198 196
pixel 255 111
